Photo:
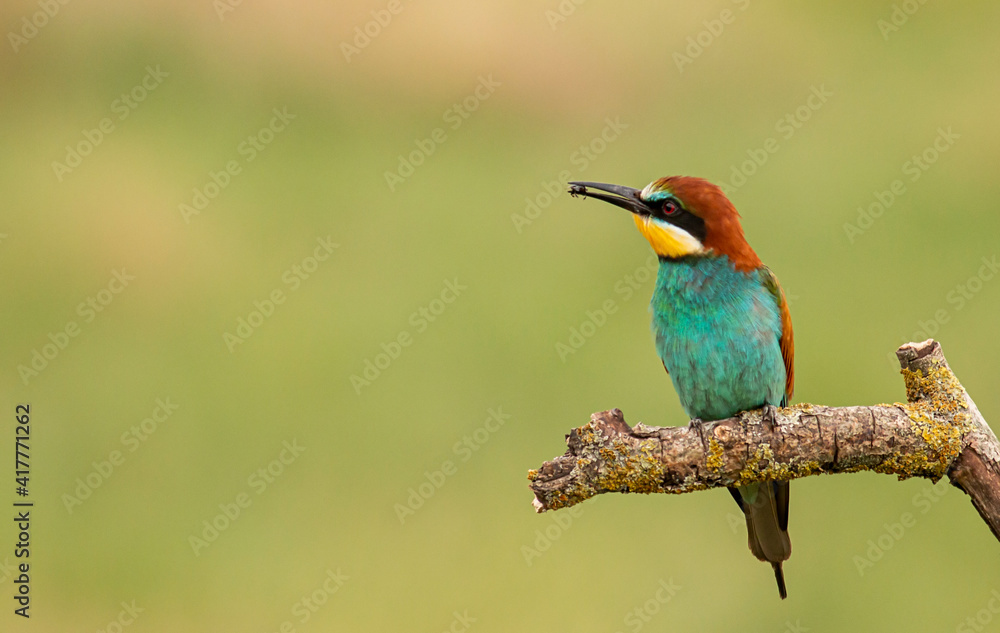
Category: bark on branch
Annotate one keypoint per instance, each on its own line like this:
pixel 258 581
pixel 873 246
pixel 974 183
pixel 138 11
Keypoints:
pixel 937 432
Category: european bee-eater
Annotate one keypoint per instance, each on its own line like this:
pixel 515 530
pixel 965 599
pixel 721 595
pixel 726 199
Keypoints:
pixel 721 325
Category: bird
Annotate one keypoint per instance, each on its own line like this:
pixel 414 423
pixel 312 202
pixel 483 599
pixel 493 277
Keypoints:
pixel 721 325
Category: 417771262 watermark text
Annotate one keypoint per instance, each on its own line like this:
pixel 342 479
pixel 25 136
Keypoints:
pixel 22 509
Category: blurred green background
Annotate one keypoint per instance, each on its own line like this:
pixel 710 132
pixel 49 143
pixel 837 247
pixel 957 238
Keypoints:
pixel 691 88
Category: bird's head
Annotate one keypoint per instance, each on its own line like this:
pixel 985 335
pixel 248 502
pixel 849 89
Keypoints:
pixel 680 216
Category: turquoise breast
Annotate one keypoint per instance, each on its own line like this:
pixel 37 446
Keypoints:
pixel 717 332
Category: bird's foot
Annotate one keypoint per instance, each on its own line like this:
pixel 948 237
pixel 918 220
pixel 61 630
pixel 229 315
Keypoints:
pixel 769 417
pixel 698 426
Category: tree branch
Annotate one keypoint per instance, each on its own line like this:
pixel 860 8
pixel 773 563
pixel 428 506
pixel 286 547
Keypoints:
pixel 937 432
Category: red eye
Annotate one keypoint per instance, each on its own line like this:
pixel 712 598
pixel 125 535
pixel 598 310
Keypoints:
pixel 670 207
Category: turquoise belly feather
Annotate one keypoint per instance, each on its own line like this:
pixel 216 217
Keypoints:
pixel 717 332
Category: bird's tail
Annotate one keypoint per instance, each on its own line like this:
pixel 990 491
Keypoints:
pixel 766 508
pixel 780 577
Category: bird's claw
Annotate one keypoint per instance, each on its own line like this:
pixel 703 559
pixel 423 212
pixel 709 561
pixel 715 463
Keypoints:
pixel 769 416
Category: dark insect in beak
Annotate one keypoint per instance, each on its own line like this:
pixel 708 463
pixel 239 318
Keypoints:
pixel 624 197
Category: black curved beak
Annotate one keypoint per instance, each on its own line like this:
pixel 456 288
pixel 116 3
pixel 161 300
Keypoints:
pixel 624 197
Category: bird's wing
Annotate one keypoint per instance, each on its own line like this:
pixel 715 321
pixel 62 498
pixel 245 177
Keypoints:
pixel 786 340
pixel 787 344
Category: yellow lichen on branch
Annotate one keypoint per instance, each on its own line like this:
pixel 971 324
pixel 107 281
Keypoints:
pixel 937 410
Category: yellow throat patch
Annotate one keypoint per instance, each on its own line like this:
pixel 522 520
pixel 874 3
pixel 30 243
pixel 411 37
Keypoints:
pixel 666 239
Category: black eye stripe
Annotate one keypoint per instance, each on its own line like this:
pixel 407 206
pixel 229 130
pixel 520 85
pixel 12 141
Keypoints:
pixel 684 219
